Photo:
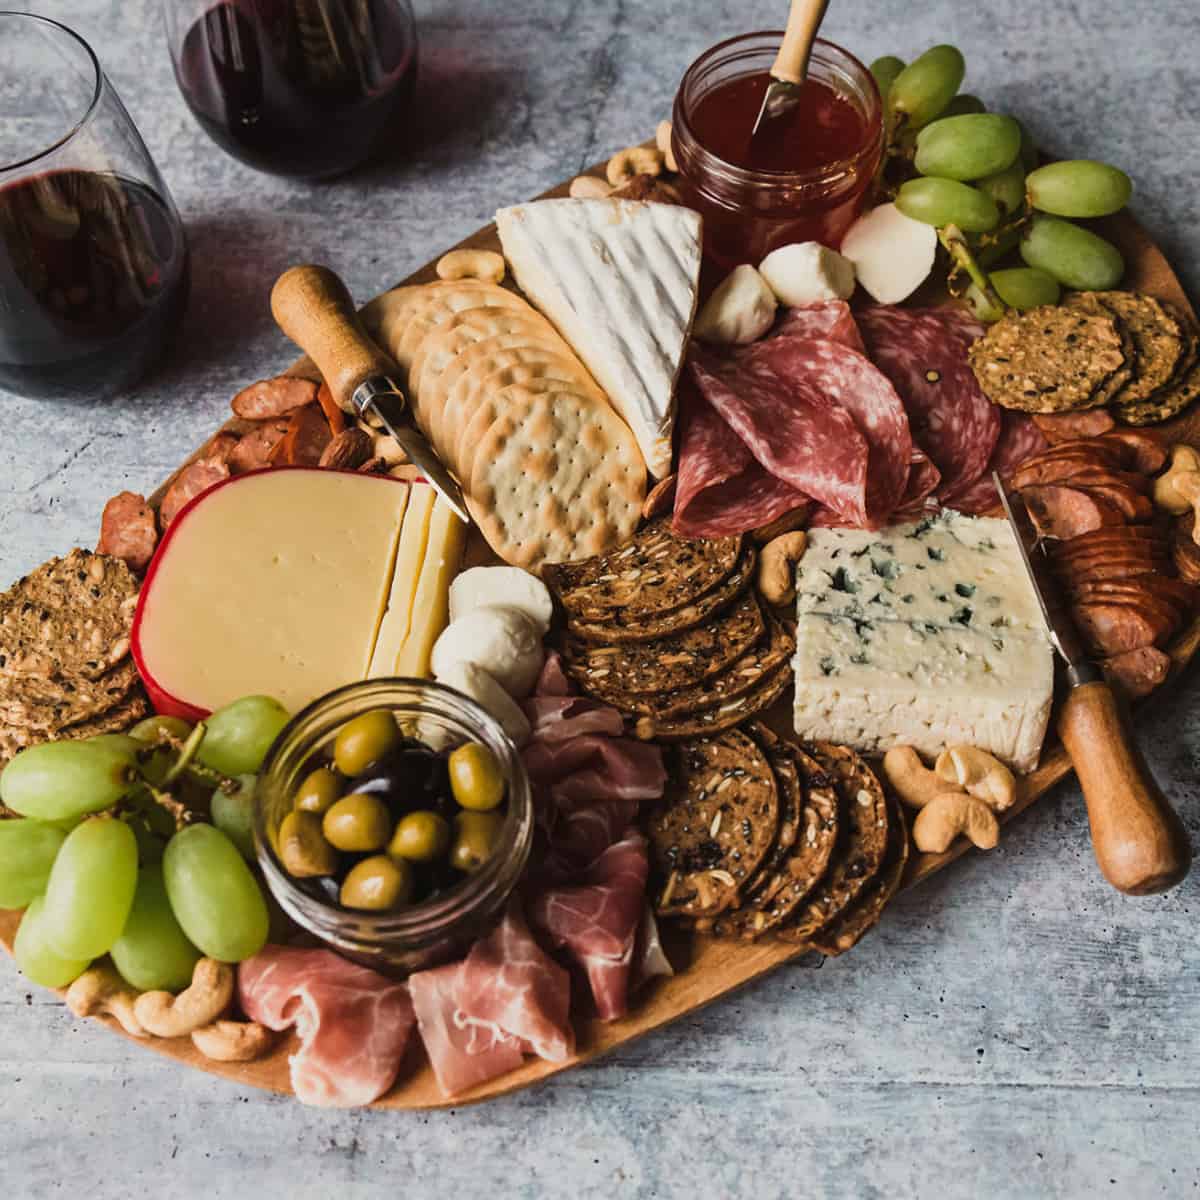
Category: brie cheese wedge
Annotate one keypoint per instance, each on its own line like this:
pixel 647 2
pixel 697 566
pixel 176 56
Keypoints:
pixel 619 279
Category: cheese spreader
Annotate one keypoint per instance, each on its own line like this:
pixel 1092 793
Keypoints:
pixel 790 68
pixel 312 306
pixel 1140 844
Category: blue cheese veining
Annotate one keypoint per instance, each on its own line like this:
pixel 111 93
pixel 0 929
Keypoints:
pixel 925 635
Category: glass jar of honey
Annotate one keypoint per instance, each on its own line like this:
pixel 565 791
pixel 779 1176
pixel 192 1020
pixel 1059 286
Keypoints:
pixel 803 179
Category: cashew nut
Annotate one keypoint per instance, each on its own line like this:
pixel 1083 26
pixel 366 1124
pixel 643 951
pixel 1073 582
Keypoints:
pixel 1177 490
pixel 588 187
pixel 660 498
pixel 471 264
pixel 952 813
pixel 910 778
pixel 168 1016
pixel 794 518
pixel 662 139
pixel 233 1041
pixel 980 773
pixel 636 160
pixel 100 991
pixel 777 566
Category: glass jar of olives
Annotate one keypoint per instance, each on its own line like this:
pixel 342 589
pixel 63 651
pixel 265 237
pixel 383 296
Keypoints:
pixel 392 820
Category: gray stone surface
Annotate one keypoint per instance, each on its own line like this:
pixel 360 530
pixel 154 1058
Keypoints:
pixel 1015 1028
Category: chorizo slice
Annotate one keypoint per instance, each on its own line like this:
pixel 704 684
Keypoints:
pixel 308 434
pixel 1132 504
pixel 254 447
pixel 1103 566
pixel 1069 426
pixel 273 398
pixel 1065 512
pixel 1138 672
pixel 1146 451
pixel 193 480
pixel 220 446
pixel 1053 464
pixel 1141 593
pixel 128 530
pixel 1112 626
pixel 329 406
pixel 1185 554
pixel 1108 537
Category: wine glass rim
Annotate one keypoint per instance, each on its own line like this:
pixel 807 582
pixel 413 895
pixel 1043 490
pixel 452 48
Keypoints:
pixel 98 75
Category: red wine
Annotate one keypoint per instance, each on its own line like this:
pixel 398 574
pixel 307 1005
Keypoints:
pixel 93 281
pixel 299 87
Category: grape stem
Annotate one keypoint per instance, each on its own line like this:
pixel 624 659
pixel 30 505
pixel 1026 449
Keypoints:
pixel 176 808
pixel 962 259
pixel 186 754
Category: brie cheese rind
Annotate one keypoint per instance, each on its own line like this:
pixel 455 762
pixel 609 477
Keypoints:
pixel 924 635
pixel 619 279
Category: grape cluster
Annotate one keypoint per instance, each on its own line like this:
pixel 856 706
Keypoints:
pixel 974 175
pixel 111 855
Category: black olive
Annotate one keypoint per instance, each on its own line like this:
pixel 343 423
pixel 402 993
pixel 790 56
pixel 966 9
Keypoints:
pixel 411 776
pixel 322 887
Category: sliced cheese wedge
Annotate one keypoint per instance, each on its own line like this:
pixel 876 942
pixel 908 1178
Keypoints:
pixel 431 603
pixel 409 557
pixel 620 279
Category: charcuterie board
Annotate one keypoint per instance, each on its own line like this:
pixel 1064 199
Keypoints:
pixel 707 968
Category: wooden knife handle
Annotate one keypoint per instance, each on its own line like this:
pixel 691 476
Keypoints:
pixel 804 19
pixel 1139 842
pixel 312 306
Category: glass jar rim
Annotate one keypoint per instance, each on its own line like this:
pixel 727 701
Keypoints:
pixel 823 51
pixel 97 89
pixel 407 922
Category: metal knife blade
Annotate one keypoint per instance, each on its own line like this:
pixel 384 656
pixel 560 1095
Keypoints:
pixel 1063 635
pixel 383 398
pixel 778 98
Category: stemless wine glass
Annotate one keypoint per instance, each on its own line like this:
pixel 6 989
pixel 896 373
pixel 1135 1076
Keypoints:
pixel 309 88
pixel 93 260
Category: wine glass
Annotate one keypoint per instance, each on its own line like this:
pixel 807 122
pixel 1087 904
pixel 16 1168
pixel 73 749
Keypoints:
pixel 93 259
pixel 308 88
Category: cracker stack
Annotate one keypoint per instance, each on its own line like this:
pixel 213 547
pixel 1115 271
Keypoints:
pixel 1124 351
pixel 65 666
pixel 550 471
pixel 671 633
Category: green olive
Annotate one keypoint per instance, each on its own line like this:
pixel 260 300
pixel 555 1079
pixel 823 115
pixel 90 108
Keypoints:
pixel 359 823
pixel 318 791
pixel 303 848
pixel 364 741
pixel 420 837
pixel 377 883
pixel 149 729
pixel 476 778
pixel 476 835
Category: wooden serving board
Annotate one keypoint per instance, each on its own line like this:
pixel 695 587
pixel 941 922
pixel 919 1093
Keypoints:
pixel 706 968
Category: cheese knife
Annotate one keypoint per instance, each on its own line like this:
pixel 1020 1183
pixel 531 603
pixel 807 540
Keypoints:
pixel 312 306
pixel 1140 844
pixel 790 68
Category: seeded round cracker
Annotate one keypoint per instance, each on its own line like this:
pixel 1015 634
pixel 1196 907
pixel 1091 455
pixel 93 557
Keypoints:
pixel 1157 342
pixel 727 715
pixel 654 573
pixel 1051 359
pixel 49 704
pixel 674 662
pixel 132 709
pixel 716 822
pixel 1108 390
pixel 863 831
pixel 557 476
pixel 1181 391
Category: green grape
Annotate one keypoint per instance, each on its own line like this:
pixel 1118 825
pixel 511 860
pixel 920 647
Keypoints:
pixel 153 952
pixel 214 896
pixel 149 729
pixel 926 86
pixel 962 104
pixel 91 888
pixel 1029 150
pixel 39 961
pixel 233 814
pixel 984 309
pixel 1025 287
pixel 946 202
pixel 240 734
pixel 1078 188
pixel 885 70
pixel 27 852
pixel 57 780
pixel 1076 257
pixel 121 741
pixel 968 147
pixel 991 249
pixel 1006 187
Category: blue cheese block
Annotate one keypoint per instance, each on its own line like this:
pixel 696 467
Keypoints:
pixel 948 569
pixel 925 635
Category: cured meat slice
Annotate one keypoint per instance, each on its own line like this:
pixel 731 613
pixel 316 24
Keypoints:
pixel 923 353
pixel 273 397
pixel 1138 671
pixel 195 479
pixel 792 429
pixel 1114 627
pixel 721 488
pixel 846 377
pixel 461 1055
pixel 561 718
pixel 1065 512
pixel 509 987
pixel 128 530
pixel 595 768
pixel 254 448
pixel 353 1023
pixel 597 920
pixel 1067 426
pixel 649 959
pixel 307 436
pixel 830 320
pixel 1020 439
pixel 553 679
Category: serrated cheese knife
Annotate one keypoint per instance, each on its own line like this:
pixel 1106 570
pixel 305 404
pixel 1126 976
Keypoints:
pixel 1140 843
pixel 312 306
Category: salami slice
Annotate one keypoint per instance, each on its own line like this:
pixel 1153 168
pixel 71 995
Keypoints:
pixel 923 353
pixel 721 489
pixel 1020 439
pixel 789 424
pixel 830 320
pixel 859 388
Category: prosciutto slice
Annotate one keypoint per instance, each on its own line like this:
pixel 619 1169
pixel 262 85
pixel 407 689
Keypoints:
pixel 597 920
pixel 353 1024
pixel 561 718
pixel 595 768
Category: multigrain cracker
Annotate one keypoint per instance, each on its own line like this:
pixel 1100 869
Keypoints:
pixel 45 704
pixel 1109 389
pixel 1158 342
pixel 726 715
